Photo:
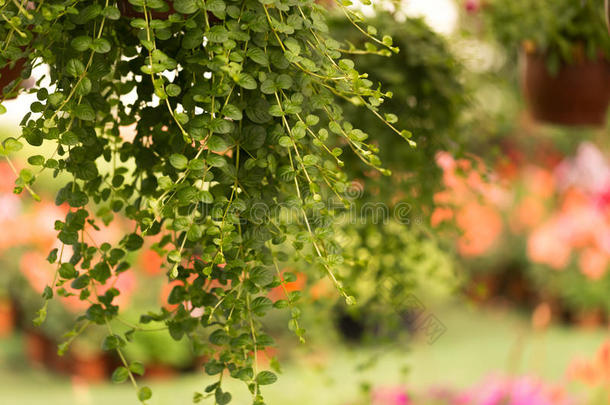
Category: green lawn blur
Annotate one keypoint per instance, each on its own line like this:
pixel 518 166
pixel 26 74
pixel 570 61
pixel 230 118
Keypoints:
pixel 477 343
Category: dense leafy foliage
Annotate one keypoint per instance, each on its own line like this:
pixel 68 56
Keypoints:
pixel 234 169
pixel 428 96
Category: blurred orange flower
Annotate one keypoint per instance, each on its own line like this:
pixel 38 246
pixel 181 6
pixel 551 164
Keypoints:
pixel 277 293
pixel 595 372
pixel 481 226
pixel 593 263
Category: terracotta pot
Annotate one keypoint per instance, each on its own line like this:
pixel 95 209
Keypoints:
pixel 37 348
pixel 578 95
pixel 7 318
pixel 92 367
pixel 9 74
pixel 590 319
pixel 160 371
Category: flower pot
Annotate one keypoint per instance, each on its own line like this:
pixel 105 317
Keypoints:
pixel 9 74
pixel 90 367
pixel 7 318
pixel 160 371
pixel 37 348
pixel 590 319
pixel 578 95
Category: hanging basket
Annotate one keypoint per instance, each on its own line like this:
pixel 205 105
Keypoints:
pixel 578 95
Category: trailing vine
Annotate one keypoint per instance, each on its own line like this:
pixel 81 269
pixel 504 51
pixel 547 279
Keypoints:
pixel 234 162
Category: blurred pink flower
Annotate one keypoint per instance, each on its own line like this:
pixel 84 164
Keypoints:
pixel 126 282
pixel 40 229
pixel 545 246
pixel 472 6
pixel 10 206
pixel 525 390
pixel 390 396
pixel 587 170
pixel 7 178
pixel 37 271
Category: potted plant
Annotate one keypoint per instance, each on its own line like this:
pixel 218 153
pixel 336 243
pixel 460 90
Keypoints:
pixel 233 122
pixel 565 51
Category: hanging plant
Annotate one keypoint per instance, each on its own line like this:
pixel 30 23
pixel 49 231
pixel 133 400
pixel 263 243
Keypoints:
pixel 231 170
pixel 565 48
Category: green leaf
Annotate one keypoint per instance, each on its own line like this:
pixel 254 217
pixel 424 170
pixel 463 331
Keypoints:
pixel 81 43
pixel 41 315
pixel 246 81
pixel 112 342
pixel 391 118
pixel 261 276
pixel 213 367
pixel 266 378
pixel 101 272
pixel 310 160
pixel 173 90
pixel 216 161
pixel 217 34
pixel 84 112
pixel 178 161
pixel 144 393
pixel 132 241
pixel 75 68
pixel 268 87
pixel 194 233
pixel 185 6
pixel 84 87
pixel 217 144
pixel 80 282
pixel 284 81
pixel 174 256
pixel 232 112
pixel 221 126
pixel 112 13
pixel 222 398
pixel 101 45
pixel 10 145
pixel 258 56
pixel 260 305
pixel 196 165
pixel 137 368
pixel 67 271
pixel 120 374
pixel 285 142
pixel 293 45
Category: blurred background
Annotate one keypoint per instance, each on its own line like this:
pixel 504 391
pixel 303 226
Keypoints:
pixel 484 282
